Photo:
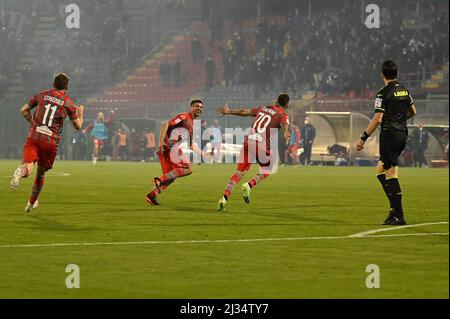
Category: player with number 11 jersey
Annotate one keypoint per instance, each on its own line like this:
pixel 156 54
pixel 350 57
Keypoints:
pixel 41 146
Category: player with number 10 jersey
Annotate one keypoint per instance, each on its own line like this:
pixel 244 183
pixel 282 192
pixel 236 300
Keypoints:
pixel 257 145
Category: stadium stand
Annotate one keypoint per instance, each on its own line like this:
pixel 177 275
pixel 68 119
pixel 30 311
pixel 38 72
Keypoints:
pixel 125 57
pixel 257 57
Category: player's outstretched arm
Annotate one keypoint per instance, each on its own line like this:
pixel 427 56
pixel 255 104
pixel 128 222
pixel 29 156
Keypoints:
pixel 78 122
pixel 197 150
pixel 225 110
pixel 376 120
pixel 26 112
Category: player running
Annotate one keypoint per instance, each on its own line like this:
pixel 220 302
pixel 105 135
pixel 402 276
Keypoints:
pixel 52 107
pixel 257 145
pixel 174 162
pixel 99 133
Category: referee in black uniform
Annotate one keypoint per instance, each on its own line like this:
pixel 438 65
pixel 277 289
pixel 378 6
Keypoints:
pixel 393 106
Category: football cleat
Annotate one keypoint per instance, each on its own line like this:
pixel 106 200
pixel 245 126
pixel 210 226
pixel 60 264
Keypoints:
pixel 247 190
pixel 151 200
pixel 391 214
pixel 396 221
pixel 221 204
pixel 14 184
pixel 30 206
pixel 157 183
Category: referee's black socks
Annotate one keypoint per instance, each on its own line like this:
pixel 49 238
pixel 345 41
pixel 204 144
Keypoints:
pixel 395 196
pixel 382 178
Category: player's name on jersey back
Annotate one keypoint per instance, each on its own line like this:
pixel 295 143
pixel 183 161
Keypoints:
pixel 53 99
pixel 267 110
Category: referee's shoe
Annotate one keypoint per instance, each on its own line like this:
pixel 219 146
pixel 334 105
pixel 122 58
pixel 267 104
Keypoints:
pixel 391 214
pixel 394 220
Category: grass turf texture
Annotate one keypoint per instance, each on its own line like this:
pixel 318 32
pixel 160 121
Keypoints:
pixel 105 203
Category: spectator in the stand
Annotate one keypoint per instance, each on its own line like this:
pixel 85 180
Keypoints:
pixel 196 51
pixel 210 68
pixel 288 77
pixel 164 72
pixel 420 138
pixel 259 79
pixel 308 134
pixel 176 68
pixel 215 29
pixel 288 48
pixel 229 70
pixel 329 40
pixel 149 146
pixel 318 69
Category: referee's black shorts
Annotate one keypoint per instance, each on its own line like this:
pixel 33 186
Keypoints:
pixel 392 144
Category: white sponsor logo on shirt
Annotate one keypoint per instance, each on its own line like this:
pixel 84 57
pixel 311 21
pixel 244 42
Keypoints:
pixel 44 130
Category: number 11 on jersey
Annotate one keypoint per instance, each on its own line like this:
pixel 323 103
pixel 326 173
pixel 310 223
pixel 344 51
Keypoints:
pixel 52 115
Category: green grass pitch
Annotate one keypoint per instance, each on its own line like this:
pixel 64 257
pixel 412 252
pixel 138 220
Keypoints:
pixel 301 216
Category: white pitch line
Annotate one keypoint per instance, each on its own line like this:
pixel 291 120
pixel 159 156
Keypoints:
pixel 403 235
pixel 150 242
pixel 51 174
pixel 58 174
pixel 379 230
pixel 154 242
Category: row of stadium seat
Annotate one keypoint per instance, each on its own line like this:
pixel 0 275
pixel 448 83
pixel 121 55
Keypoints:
pixel 145 84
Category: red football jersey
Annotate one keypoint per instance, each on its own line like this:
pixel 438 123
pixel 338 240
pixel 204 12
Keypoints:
pixel 53 106
pixel 266 118
pixel 182 120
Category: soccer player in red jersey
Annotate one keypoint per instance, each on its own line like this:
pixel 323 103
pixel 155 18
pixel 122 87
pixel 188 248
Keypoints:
pixel 41 146
pixel 256 147
pixel 174 162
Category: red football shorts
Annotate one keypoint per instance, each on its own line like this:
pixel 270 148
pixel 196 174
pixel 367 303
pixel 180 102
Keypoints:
pixel 168 165
pixel 254 152
pixel 42 152
pixel 98 142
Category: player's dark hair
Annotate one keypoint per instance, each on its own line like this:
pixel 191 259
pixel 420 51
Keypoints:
pixel 389 70
pixel 61 81
pixel 283 99
pixel 196 101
